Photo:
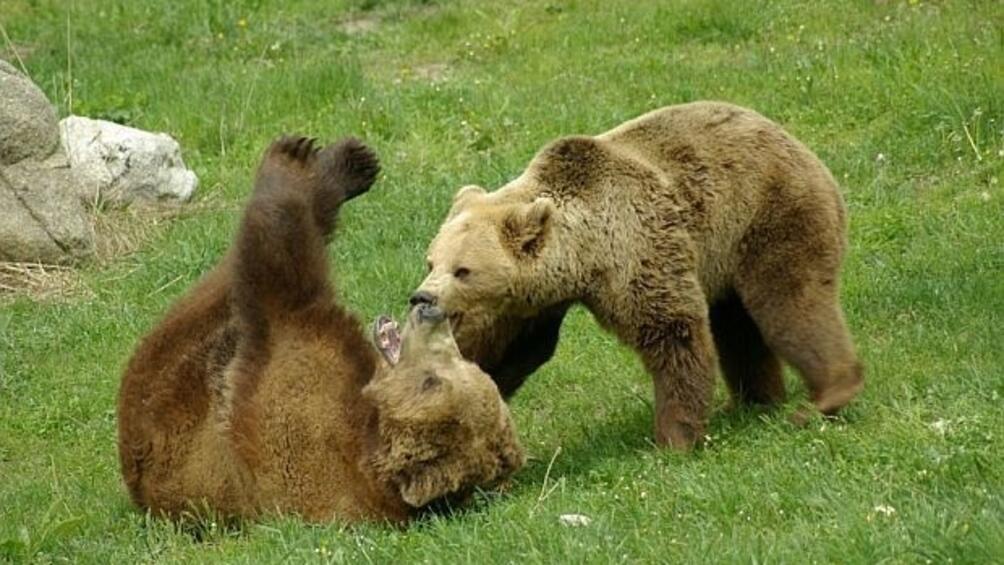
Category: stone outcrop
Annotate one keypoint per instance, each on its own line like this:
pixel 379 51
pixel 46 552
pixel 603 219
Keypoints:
pixel 51 171
pixel 42 218
pixel 125 165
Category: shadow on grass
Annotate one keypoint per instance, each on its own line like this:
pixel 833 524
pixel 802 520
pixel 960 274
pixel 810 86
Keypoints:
pixel 629 434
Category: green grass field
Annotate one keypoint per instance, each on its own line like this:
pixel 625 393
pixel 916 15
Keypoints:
pixel 904 100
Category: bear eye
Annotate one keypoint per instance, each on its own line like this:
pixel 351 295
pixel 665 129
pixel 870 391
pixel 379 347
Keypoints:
pixel 431 381
pixel 461 272
pixel 428 266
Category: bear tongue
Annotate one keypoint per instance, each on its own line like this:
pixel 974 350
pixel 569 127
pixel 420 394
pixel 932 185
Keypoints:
pixel 387 338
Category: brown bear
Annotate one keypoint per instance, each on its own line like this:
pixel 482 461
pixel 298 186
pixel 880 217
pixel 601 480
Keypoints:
pixel 691 229
pixel 259 393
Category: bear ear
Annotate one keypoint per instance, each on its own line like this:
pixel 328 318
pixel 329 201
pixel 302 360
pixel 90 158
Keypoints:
pixel 525 228
pixel 464 197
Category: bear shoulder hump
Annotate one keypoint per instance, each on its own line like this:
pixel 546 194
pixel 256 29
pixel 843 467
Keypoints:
pixel 571 164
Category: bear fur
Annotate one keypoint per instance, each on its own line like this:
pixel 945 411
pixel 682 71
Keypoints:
pixel 691 230
pixel 259 393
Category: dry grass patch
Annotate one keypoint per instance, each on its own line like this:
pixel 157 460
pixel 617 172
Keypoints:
pixel 39 281
pixel 120 232
pixel 117 233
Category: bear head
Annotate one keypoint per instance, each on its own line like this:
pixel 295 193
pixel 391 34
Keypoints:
pixel 483 269
pixel 443 425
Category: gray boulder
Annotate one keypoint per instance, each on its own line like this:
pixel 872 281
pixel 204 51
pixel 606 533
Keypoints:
pixel 45 185
pixel 28 125
pixel 42 218
pixel 125 165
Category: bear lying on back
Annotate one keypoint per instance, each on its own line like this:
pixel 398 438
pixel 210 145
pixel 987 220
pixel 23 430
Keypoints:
pixel 259 393
pixel 691 229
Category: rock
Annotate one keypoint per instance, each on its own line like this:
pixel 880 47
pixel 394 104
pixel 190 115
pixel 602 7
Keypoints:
pixel 28 126
pixel 124 164
pixel 41 218
pixel 43 190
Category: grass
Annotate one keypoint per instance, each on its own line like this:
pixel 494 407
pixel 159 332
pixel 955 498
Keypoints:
pixel 903 99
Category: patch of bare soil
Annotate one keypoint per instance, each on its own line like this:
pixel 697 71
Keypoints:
pixel 432 72
pixel 360 25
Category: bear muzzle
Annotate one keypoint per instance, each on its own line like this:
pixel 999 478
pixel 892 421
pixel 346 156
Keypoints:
pixel 429 313
pixel 422 297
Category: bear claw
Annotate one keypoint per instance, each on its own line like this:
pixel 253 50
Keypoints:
pixel 356 162
pixel 299 148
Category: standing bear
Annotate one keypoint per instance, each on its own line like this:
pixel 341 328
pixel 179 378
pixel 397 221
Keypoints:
pixel 259 393
pixel 691 230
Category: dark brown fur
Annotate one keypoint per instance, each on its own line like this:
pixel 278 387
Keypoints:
pixel 256 393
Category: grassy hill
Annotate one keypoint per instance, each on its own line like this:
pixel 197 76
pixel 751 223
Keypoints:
pixel 904 100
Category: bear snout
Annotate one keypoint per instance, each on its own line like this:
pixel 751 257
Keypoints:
pixel 429 313
pixel 422 297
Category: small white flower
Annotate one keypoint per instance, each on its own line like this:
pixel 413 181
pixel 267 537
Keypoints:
pixel 885 510
pixel 940 426
pixel 880 157
pixel 575 520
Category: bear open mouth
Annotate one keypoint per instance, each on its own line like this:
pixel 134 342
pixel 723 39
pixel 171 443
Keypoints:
pixel 387 338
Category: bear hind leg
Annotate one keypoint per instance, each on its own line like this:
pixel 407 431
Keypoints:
pixel 806 327
pixel 280 262
pixel 347 169
pixel 751 370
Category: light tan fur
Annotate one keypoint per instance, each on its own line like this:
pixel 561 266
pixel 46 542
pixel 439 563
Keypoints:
pixel 691 229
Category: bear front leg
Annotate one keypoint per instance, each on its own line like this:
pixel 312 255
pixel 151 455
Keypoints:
pixel 533 346
pixel 680 355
